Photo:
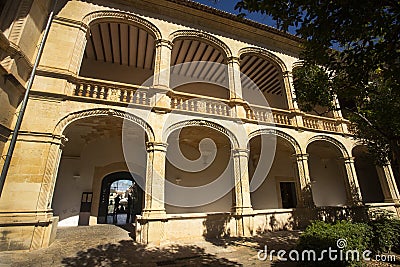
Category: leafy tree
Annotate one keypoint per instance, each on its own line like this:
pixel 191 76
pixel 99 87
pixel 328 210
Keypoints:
pixel 351 49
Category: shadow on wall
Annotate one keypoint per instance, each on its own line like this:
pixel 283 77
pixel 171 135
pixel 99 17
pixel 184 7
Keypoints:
pixel 216 227
pixel 8 243
pixel 128 253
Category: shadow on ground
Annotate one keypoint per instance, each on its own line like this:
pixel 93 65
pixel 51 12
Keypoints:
pixel 273 240
pixel 129 253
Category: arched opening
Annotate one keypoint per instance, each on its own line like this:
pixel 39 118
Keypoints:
pixel 279 188
pixel 121 199
pixel 328 179
pixel 126 49
pixel 317 110
pixel 261 74
pixel 199 171
pixel 94 150
pixel 368 178
pixel 199 68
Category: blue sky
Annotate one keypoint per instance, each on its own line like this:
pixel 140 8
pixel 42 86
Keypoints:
pixel 228 6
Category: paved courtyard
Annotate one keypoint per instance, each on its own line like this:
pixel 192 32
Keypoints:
pixel 110 245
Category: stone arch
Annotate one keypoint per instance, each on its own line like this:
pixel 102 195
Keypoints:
pixel 265 54
pixel 52 164
pixel 204 123
pixel 64 122
pixel 331 140
pixel 118 16
pixel 194 34
pixel 356 144
pixel 279 133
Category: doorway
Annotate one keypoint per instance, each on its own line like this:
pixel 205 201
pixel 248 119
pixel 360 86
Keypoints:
pixel 121 199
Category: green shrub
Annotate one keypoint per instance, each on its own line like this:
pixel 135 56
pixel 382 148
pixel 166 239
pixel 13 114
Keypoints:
pixel 385 232
pixel 321 236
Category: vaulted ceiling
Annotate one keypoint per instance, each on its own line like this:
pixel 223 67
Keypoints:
pixel 262 72
pixel 121 44
pixel 188 50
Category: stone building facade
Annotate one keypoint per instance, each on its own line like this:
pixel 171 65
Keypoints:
pixel 122 85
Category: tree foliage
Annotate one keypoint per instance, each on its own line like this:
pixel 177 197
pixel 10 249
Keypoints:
pixel 351 49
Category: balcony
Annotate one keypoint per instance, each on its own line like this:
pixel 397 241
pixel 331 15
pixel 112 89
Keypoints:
pixel 116 92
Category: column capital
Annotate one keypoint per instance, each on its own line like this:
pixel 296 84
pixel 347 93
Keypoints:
pixel 156 146
pixel 287 74
pixel 233 59
pixel 348 159
pixel 240 152
pixel 163 42
pixel 302 156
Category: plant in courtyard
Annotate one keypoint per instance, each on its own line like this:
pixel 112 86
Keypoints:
pixel 385 232
pixel 362 70
pixel 320 236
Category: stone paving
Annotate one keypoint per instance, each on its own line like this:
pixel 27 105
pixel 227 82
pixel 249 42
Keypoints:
pixel 110 245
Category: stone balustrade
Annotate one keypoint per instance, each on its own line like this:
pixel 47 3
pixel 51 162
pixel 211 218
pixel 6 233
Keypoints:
pixel 201 104
pixel 111 91
pixel 320 123
pixel 132 94
pixel 270 115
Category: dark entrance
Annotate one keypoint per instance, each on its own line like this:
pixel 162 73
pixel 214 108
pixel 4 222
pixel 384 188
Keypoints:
pixel 288 195
pixel 129 203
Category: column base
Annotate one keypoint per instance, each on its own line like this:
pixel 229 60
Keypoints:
pixel 150 227
pixel 244 225
pixel 27 230
pixel 154 214
pixel 242 211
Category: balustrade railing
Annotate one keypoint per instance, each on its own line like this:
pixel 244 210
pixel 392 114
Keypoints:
pixel 195 103
pixel 126 93
pixel 320 123
pixel 270 115
pixel 117 92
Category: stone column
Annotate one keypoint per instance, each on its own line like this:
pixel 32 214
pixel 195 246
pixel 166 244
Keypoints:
pixel 388 183
pixel 162 64
pixel 306 197
pixel 243 210
pixel 155 178
pixel 235 84
pixel 291 96
pixel 354 196
pixel 235 88
pixel 289 90
pixel 154 215
pixel 337 114
pixel 160 87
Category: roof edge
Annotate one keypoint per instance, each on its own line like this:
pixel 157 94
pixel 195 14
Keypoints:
pixel 224 14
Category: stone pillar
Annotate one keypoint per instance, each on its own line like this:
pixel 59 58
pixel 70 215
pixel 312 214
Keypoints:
pixel 242 210
pixel 337 114
pixel 26 219
pixel 162 64
pixel 289 90
pixel 306 197
pixel 235 84
pixel 291 96
pixel 160 88
pixel 155 176
pixel 154 215
pixel 235 88
pixel 388 183
pixel 354 196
